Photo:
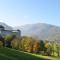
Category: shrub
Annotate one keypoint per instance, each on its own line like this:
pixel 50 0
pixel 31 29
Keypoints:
pixel 1 44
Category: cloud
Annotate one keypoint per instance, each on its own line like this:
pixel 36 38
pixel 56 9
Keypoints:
pixel 1 20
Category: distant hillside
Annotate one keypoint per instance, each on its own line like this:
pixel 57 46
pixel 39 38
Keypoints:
pixel 6 26
pixel 41 30
pixel 55 37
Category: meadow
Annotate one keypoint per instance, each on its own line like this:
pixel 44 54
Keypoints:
pixel 12 54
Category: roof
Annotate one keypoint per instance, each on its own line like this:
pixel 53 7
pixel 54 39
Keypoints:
pixel 1 26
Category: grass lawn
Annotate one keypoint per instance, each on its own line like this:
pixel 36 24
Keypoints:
pixel 11 54
pixel 45 57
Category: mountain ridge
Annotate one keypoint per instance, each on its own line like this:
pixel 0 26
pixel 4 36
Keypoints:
pixel 41 30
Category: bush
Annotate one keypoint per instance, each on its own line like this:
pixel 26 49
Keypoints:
pixel 15 43
pixel 26 44
pixel 36 46
pixel 48 48
pixel 1 44
pixel 8 40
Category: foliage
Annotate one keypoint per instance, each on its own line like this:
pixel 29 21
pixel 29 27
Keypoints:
pixel 32 45
pixel 15 43
pixel 48 47
pixel 58 49
pixel 8 40
pixel 9 37
pixel 27 43
pixel 36 46
pixel 2 40
pixel 42 45
pixel 1 44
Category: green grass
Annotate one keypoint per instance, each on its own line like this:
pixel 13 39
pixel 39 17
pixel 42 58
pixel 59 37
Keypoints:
pixel 45 57
pixel 11 54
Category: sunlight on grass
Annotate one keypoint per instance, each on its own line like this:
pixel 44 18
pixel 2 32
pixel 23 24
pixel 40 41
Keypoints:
pixel 40 56
pixel 11 54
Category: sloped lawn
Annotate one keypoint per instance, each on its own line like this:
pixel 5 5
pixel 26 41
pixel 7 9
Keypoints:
pixel 10 54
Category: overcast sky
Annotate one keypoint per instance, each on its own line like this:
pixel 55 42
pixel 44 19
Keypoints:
pixel 21 12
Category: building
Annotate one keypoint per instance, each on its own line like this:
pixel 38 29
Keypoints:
pixel 4 32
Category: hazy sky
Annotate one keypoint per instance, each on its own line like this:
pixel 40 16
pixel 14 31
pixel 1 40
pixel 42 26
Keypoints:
pixel 20 12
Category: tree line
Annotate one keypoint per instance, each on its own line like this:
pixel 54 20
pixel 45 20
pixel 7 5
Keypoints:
pixel 31 45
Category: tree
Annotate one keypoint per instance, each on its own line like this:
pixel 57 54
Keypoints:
pixel 52 47
pixel 8 40
pixel 15 43
pixel 2 40
pixel 42 48
pixel 42 45
pixel 36 46
pixel 48 47
pixel 1 44
pixel 27 44
pixel 58 48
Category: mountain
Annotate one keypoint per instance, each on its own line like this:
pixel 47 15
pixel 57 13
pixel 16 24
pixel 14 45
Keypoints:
pixel 6 26
pixel 41 30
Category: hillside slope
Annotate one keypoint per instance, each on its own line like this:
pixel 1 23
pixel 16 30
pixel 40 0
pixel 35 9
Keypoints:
pixel 11 54
pixel 40 30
